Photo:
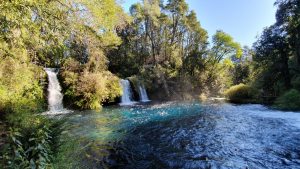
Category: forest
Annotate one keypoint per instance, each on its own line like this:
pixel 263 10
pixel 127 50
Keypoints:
pixel 162 44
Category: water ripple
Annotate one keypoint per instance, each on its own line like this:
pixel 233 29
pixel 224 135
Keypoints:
pixel 191 135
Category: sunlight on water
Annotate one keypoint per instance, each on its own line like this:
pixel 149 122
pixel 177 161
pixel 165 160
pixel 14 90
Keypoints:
pixel 187 135
pixel 113 122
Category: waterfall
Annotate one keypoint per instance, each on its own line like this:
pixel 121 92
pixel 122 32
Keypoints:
pixel 54 91
pixel 143 93
pixel 126 98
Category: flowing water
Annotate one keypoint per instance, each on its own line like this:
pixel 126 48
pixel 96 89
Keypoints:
pixel 126 98
pixel 188 135
pixel 55 96
pixel 143 94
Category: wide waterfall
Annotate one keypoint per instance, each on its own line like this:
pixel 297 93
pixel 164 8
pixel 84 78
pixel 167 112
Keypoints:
pixel 55 96
pixel 143 93
pixel 126 98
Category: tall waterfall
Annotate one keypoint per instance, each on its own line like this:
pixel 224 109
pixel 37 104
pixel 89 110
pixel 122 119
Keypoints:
pixel 55 96
pixel 143 93
pixel 126 98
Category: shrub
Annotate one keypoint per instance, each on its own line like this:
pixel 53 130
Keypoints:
pixel 289 100
pixel 32 145
pixel 87 88
pixel 296 83
pixel 20 87
pixel 94 88
pixel 240 93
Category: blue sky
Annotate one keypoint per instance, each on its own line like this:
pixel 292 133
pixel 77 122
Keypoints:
pixel 242 19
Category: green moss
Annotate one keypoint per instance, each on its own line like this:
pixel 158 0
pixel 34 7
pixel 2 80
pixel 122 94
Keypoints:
pixel 136 81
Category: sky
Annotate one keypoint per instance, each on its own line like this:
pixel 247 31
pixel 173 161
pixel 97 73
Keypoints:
pixel 244 20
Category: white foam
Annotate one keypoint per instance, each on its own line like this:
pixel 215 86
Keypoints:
pixel 291 117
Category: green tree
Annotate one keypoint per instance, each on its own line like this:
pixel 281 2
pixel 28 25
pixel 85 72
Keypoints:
pixel 224 47
pixel 271 58
pixel 288 15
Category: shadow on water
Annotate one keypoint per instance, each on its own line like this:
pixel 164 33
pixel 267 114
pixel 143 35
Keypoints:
pixel 186 135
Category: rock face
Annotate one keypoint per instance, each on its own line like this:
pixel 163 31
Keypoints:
pixel 165 84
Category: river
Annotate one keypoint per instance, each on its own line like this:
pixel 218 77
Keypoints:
pixel 188 135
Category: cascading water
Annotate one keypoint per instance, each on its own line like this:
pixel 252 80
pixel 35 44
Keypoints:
pixel 126 98
pixel 143 93
pixel 55 96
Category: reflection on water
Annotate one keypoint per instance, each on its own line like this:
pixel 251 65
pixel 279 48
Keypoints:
pixel 187 135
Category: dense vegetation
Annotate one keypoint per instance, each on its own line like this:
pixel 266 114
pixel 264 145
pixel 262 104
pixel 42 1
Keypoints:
pixel 39 33
pixel 166 45
pixel 162 43
pixel 241 94
pixel 277 57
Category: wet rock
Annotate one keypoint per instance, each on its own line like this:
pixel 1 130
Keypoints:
pixel 285 161
pixel 201 158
